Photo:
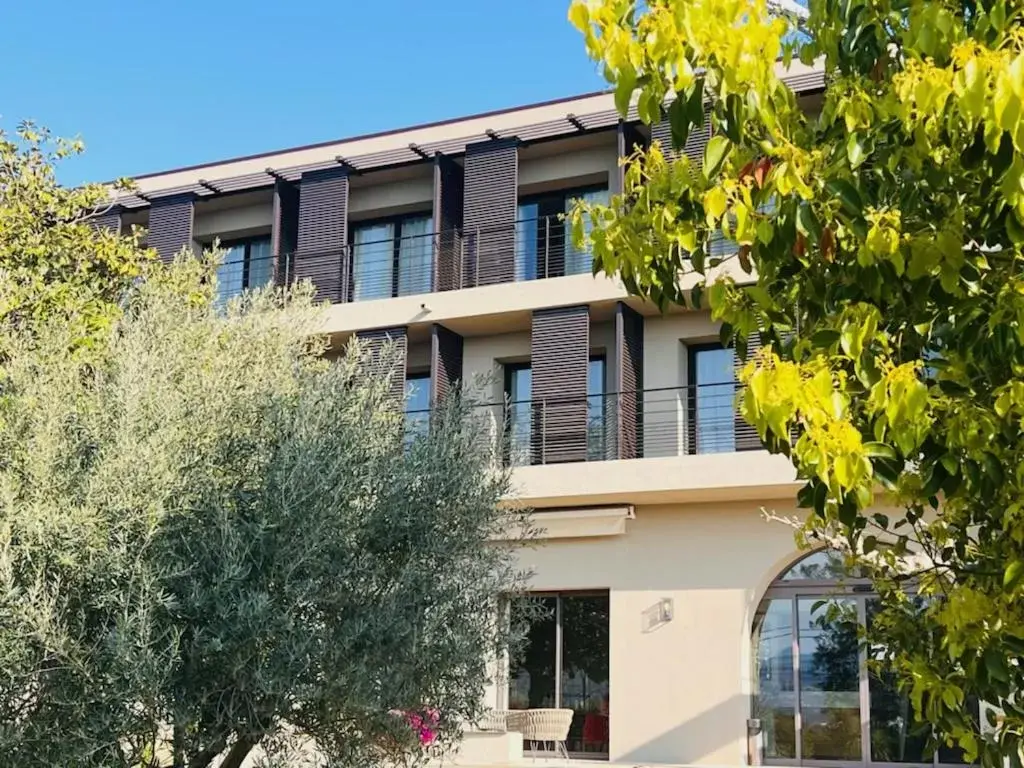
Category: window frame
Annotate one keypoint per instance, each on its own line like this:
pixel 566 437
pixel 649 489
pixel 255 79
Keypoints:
pixel 692 411
pixel 247 243
pixel 396 221
pixel 549 204
pixel 558 667
pixel 860 591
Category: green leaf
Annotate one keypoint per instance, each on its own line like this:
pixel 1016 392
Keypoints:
pixel 1014 229
pixel 579 15
pixel 879 450
pixel 807 223
pixel 714 155
pixel 679 120
pixel 1013 574
pixel 847 195
pixel 869 544
pixel 624 88
pixel 855 150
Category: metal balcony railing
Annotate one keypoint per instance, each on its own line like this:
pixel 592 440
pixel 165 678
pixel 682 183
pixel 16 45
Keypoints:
pixel 531 249
pixel 672 421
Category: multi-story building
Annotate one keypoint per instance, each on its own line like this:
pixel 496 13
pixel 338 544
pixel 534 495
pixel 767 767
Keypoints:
pixel 682 627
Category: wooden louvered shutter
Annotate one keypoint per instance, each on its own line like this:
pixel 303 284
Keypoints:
pixel 285 234
pixel 695 142
pixel 445 363
pixel 746 435
pixel 170 225
pixel 448 201
pixel 629 347
pixel 110 220
pixel 391 366
pixel 491 184
pixel 560 351
pixel 323 232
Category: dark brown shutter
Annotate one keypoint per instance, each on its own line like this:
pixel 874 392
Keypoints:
pixel 448 200
pixel 323 232
pixel 110 220
pixel 489 216
pixel 170 224
pixel 629 139
pixel 285 234
pixel 391 367
pixel 445 363
pixel 745 435
pixel 560 352
pixel 629 348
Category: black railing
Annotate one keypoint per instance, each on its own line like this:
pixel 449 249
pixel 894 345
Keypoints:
pixel 672 421
pixel 525 250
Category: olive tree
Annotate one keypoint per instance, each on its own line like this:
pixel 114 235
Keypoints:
pixel 877 262
pixel 216 541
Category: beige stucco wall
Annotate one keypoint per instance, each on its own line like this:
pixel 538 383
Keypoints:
pixel 679 690
pixel 597 165
pixel 233 222
pixel 371 201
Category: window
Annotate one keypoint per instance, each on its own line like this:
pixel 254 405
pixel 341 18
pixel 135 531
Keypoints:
pixel 247 264
pixel 544 246
pixel 564 664
pixel 417 405
pixel 392 257
pixel 598 432
pixel 518 427
pixel 519 421
pixel 815 609
pixel 712 399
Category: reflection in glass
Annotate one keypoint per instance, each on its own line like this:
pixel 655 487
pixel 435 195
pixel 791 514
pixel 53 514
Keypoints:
pixel 518 391
pixel 822 565
pixel 417 406
pixel 715 397
pixel 372 261
pixel 415 255
pixel 526 242
pixel 597 423
pixel 829 679
pixel 585 671
pixel 896 737
pixel 775 700
pixel 532 679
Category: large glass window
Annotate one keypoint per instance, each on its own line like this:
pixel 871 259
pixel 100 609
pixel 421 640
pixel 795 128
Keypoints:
pixel 247 264
pixel 712 400
pixel 817 699
pixel 564 664
pixel 417 405
pixel 544 246
pixel 392 257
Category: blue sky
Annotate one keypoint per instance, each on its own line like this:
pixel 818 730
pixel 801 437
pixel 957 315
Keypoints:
pixel 154 85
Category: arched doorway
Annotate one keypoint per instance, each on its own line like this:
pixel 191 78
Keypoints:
pixel 816 700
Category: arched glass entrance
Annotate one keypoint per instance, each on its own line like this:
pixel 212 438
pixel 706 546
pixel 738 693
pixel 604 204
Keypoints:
pixel 816 700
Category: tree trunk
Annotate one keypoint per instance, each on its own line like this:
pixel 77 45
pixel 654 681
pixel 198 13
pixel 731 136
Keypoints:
pixel 204 758
pixel 238 753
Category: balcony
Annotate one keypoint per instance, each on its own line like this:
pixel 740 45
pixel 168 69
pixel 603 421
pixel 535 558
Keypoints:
pixel 658 446
pixel 654 423
pixel 525 250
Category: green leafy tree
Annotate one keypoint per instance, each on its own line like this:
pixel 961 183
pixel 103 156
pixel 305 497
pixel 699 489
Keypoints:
pixel 53 260
pixel 876 258
pixel 213 540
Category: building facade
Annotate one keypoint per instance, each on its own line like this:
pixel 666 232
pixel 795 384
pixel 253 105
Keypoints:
pixel 682 627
